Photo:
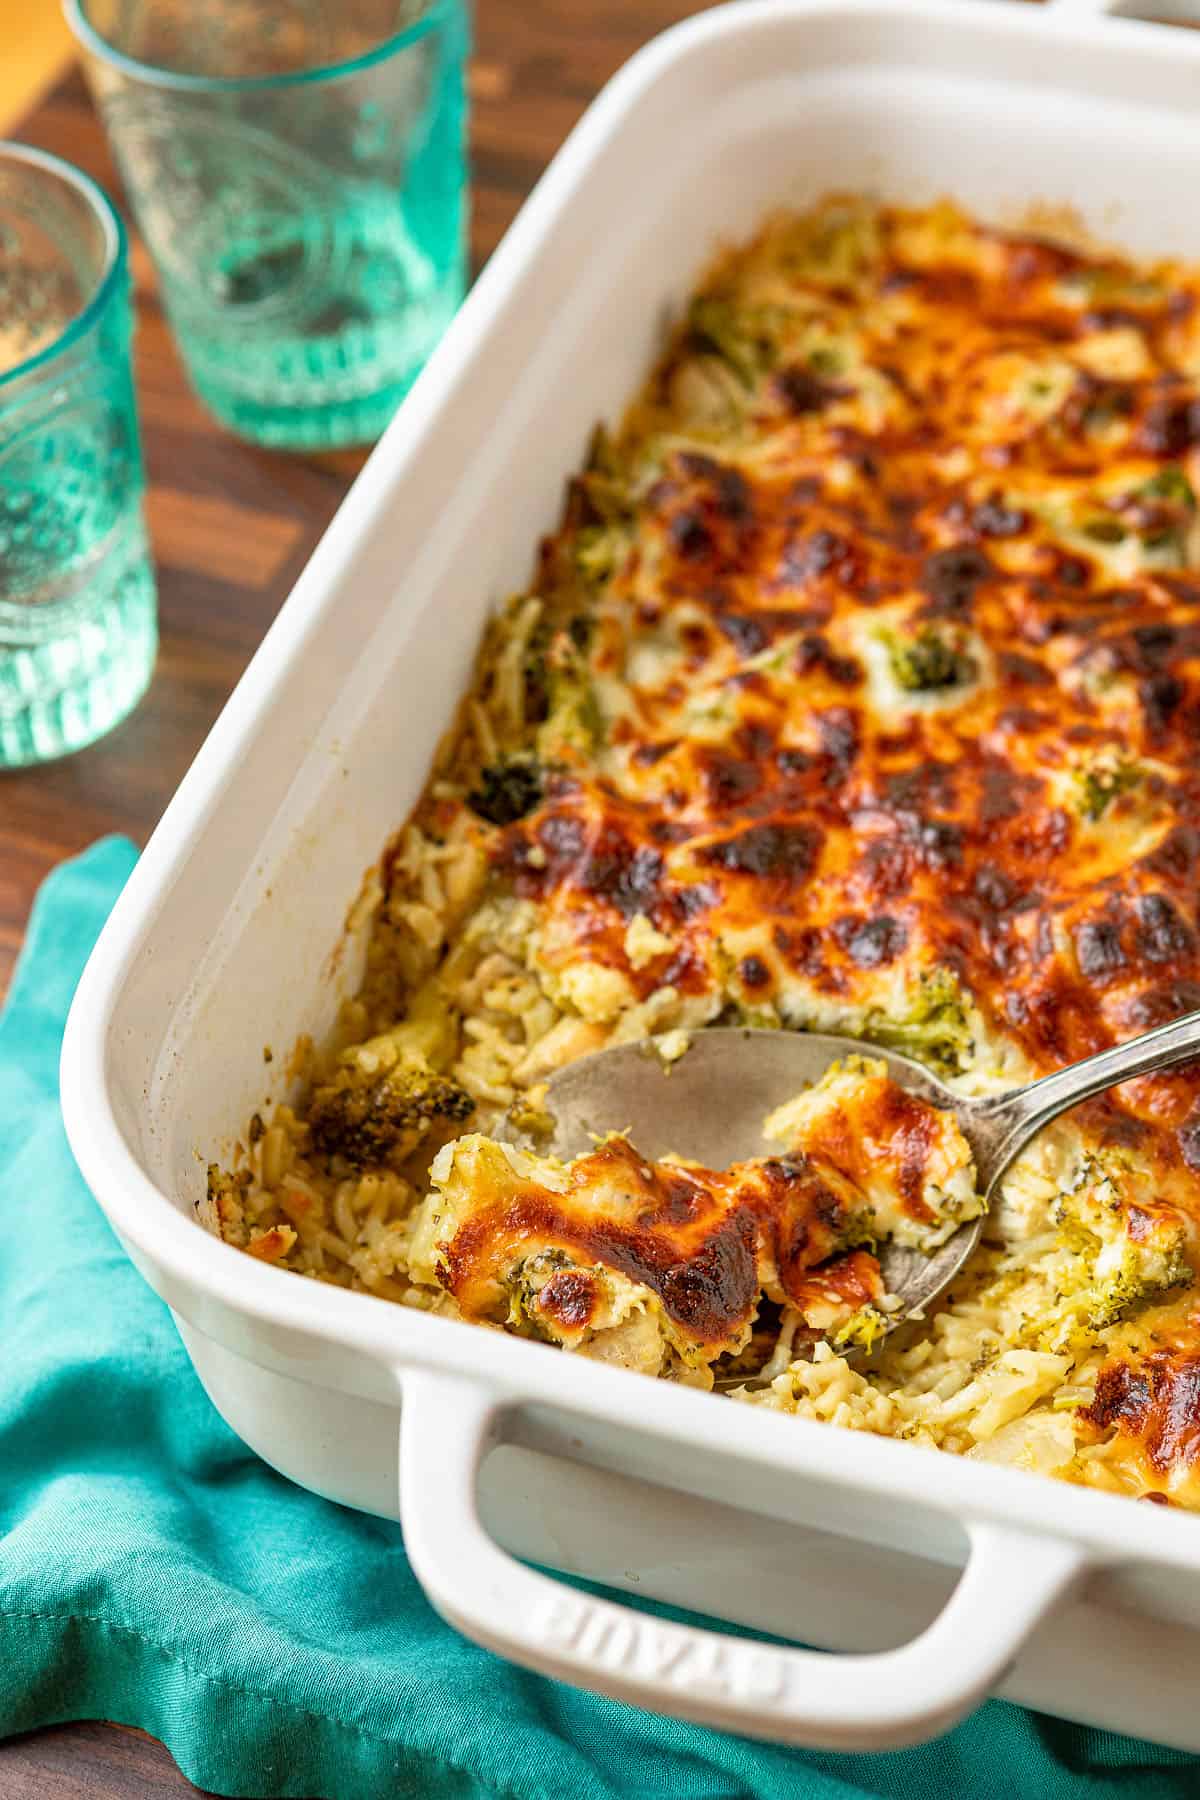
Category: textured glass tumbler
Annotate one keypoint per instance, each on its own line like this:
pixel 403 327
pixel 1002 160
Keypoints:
pixel 297 169
pixel 77 603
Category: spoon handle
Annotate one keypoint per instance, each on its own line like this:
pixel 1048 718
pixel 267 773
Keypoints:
pixel 1012 1119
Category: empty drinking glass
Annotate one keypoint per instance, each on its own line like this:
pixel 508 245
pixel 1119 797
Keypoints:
pixel 77 602
pixel 297 170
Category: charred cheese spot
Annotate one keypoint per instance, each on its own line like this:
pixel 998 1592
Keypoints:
pixel 786 852
pixel 1156 1403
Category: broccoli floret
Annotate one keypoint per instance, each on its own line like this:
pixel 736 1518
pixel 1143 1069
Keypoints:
pixel 747 339
pixel 508 789
pixel 861 1331
pixel 827 359
pixel 530 1120
pixel 717 327
pixel 387 1094
pixel 559 697
pixel 936 1031
pixel 836 245
pixel 1171 484
pixel 858 1231
pixel 524 1283
pixel 604 493
pixel 599 551
pixel 928 660
pixel 1105 1273
pixel 1164 511
pixel 1137 1280
pixel 1159 511
pixel 600 512
pixel 1105 1298
pixel 381 1120
pixel 573 716
pixel 535 672
pixel 1100 781
pixel 603 457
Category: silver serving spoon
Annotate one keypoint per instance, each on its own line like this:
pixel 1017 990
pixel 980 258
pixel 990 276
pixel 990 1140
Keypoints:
pixel 710 1105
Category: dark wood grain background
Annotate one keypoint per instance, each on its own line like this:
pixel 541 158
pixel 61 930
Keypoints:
pixel 232 526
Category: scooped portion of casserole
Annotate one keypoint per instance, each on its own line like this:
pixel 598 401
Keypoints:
pixel 858 690
pixel 668 1267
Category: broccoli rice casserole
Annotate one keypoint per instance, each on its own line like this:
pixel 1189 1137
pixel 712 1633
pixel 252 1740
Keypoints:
pixel 858 691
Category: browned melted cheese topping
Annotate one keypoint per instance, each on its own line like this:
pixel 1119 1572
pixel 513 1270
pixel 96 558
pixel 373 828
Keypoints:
pixel 843 837
pixel 851 1281
pixel 1156 1403
pixel 701 1241
pixel 882 435
pixel 881 1130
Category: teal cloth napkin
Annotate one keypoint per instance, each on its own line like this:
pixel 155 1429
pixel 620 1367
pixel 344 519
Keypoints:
pixel 154 1572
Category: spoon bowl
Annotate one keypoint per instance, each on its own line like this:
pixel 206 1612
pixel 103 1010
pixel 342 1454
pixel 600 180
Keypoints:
pixel 710 1106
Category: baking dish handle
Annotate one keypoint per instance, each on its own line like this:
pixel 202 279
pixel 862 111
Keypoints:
pixel 835 1701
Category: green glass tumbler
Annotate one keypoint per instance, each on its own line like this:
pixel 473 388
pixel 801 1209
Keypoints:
pixel 77 601
pixel 297 170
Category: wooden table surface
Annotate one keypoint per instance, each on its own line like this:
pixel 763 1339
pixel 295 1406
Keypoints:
pixel 232 526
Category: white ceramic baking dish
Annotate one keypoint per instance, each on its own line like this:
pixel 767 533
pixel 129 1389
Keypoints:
pixel 1073 1601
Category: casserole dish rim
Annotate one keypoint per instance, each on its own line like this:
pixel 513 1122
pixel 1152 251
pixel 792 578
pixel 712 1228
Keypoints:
pixel 436 1357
